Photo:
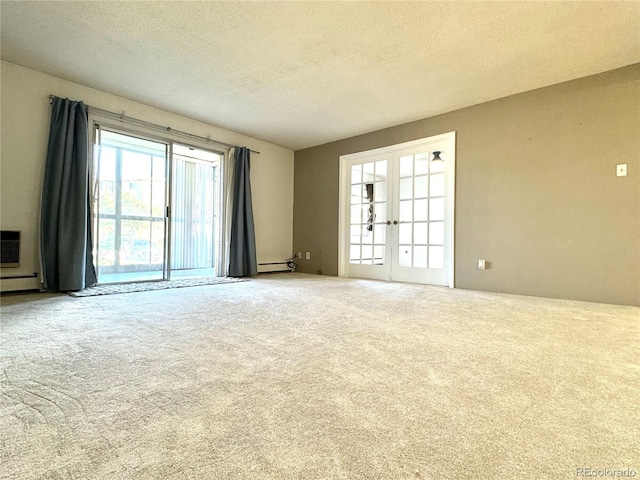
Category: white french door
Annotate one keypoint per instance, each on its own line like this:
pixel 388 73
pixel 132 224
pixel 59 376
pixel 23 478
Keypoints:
pixel 397 212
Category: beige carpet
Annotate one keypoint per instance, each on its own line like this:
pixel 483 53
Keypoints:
pixel 294 376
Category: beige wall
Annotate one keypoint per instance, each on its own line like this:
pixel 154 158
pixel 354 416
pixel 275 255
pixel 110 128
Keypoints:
pixel 25 112
pixel 537 192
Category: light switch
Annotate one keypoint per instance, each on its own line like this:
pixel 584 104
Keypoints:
pixel 621 170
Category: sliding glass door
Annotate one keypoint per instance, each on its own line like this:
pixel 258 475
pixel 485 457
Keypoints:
pixel 194 212
pixel 130 207
pixel 156 208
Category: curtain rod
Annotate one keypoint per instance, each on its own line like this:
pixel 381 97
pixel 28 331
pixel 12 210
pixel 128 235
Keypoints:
pixel 143 123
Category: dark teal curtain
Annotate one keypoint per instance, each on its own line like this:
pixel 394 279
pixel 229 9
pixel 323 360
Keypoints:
pixel 242 249
pixel 65 217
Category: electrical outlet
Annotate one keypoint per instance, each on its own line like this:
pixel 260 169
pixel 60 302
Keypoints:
pixel 307 256
pixel 481 264
pixel 621 170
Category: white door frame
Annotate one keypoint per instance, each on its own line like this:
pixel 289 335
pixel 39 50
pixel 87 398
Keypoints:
pixel 343 214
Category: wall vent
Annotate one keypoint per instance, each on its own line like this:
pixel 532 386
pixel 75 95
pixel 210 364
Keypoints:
pixel 9 248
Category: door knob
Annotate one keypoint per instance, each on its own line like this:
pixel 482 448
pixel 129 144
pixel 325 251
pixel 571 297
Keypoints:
pixel 395 222
pixel 388 222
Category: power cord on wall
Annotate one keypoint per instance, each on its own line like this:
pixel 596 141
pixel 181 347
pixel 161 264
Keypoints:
pixel 291 264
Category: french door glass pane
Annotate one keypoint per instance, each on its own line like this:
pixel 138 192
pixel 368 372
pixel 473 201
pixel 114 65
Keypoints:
pixel 406 211
pixel 406 166
pixel 436 209
pixel 420 233
pixel 405 234
pixel 380 234
pixel 436 167
pixel 356 174
pixel 354 254
pixel 436 257
pixel 406 188
pixel 380 192
pixel 436 185
pixel 367 172
pixel 380 212
pixel 421 212
pixel 367 235
pixel 367 254
pixel 422 164
pixel 420 256
pixel 404 256
pixel 378 255
pixel 421 189
pixel 356 214
pixel 355 234
pixel 368 212
pixel 436 233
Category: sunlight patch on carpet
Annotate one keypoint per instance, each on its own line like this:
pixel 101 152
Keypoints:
pixel 148 286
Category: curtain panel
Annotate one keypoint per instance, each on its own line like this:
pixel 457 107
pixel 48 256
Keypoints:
pixel 242 248
pixel 65 216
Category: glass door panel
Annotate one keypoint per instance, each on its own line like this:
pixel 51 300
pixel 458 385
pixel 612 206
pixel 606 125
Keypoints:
pixel 397 209
pixel 194 212
pixel 129 209
pixel 368 213
pixel 420 212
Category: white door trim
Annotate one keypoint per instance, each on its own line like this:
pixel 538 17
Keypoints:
pixel 343 212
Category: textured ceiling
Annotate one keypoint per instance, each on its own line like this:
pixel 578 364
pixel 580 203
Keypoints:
pixel 300 74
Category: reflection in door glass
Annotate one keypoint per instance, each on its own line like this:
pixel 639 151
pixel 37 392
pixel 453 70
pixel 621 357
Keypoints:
pixel 435 167
pixel 368 212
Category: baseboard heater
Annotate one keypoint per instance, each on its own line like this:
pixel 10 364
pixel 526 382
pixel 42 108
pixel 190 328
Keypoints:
pixel 274 267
